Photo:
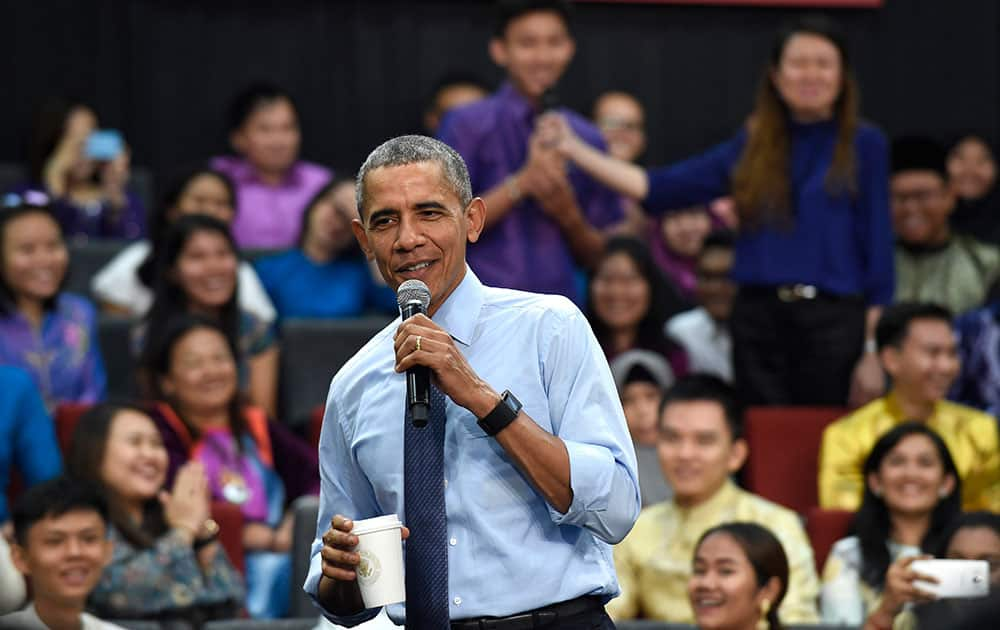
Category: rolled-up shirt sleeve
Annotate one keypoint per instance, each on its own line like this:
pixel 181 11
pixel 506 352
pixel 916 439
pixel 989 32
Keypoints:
pixel 587 416
pixel 345 490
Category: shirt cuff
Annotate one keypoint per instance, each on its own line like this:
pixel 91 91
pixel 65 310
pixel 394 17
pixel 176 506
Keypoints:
pixel 311 587
pixel 591 469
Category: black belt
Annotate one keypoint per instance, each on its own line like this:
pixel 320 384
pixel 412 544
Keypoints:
pixel 544 617
pixel 794 293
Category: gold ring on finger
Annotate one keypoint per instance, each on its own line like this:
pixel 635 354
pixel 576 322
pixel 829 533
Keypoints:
pixel 418 343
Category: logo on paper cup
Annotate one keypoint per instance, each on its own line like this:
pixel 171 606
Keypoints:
pixel 370 569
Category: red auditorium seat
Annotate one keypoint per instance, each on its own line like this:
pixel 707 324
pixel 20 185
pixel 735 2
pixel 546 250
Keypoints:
pixel 315 425
pixel 230 520
pixel 784 452
pixel 824 528
pixel 66 416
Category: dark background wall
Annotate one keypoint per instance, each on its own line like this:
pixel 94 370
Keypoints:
pixel 163 71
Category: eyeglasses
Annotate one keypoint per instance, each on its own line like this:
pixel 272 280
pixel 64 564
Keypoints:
pixel 919 197
pixel 619 124
pixel 27 198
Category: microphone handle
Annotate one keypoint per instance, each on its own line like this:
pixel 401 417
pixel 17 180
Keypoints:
pixel 418 379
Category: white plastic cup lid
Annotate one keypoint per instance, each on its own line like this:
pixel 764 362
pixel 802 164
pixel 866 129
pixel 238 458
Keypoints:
pixel 376 524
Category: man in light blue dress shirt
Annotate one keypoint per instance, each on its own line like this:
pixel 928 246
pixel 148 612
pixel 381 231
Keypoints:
pixel 533 509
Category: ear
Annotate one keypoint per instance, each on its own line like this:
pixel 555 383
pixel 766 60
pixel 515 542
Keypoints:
pixel 362 237
pixel 167 385
pixel 238 141
pixel 874 484
pixel 19 558
pixel 738 452
pixel 475 216
pixel 948 485
pixel 109 551
pixel 498 52
pixel 950 198
pixel 889 356
pixel 770 590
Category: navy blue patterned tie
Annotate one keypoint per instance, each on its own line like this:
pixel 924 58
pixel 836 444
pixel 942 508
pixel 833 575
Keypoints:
pixel 423 498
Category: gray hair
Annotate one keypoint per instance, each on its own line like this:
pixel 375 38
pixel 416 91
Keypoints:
pixel 412 149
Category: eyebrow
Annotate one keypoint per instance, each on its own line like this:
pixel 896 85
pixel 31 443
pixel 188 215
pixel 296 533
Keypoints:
pixel 426 205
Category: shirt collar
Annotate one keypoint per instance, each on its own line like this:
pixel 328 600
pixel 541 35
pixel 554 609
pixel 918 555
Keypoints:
pixel 515 103
pixel 241 171
pixel 460 312
pixel 895 410
pixel 724 497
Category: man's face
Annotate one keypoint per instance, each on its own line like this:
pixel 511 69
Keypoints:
pixel 926 363
pixel 64 556
pixel 640 401
pixel 622 123
pixel 696 449
pixel 535 50
pixel 921 203
pixel 977 543
pixel 415 228
pixel 715 289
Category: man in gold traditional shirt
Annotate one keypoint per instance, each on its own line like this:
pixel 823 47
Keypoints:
pixel 917 347
pixel 699 447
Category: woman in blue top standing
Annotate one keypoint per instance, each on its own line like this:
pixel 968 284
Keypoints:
pixel 814 253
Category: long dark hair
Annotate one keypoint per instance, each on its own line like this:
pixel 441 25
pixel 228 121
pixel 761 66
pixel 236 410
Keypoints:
pixel 663 301
pixel 761 181
pixel 765 554
pixel 161 220
pixel 169 299
pixel 159 357
pixel 352 250
pixel 873 522
pixel 85 461
pixel 8 301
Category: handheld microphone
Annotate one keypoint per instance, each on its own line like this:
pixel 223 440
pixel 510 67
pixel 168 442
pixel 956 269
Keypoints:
pixel 549 100
pixel 414 297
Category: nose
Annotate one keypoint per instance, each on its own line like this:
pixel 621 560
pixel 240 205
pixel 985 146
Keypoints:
pixel 409 235
pixel 73 546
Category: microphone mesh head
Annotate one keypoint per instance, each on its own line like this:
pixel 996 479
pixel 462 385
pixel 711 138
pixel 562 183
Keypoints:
pixel 413 290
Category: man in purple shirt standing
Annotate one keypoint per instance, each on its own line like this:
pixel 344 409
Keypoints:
pixel 545 217
pixel 273 186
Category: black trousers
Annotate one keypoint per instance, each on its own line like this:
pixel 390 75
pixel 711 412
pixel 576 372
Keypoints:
pixel 795 351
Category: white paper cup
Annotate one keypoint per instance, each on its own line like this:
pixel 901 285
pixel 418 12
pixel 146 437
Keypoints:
pixel 380 574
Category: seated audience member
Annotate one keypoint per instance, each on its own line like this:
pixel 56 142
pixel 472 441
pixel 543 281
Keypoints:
pixel 326 275
pixel 27 436
pixel 739 578
pixel 628 303
pixel 272 184
pixel 544 220
pixel 621 119
pixel 912 494
pixel 700 446
pixel 167 563
pixel 12 591
pixel 676 245
pixel 61 546
pixel 641 377
pixel 932 263
pixel 450 91
pixel 917 348
pixel 973 536
pixel 197 273
pixel 972 174
pixel 48 332
pixel 125 284
pixel 250 461
pixel 84 172
pixel 703 331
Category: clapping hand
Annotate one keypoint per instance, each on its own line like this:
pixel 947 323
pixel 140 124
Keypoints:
pixel 187 506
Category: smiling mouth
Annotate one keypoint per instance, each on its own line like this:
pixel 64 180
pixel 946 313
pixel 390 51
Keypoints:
pixel 415 267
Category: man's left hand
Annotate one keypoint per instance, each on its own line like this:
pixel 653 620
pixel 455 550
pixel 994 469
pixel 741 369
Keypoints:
pixel 868 380
pixel 452 373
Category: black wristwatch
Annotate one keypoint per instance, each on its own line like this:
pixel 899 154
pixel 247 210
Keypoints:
pixel 503 414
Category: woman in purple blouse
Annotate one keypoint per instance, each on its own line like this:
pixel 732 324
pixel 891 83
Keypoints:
pixel 48 332
pixel 85 173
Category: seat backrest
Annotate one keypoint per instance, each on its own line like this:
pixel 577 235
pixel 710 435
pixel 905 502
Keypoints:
pixel 824 528
pixel 140 182
pixel 312 350
pixel 12 174
pixel 305 512
pixel 66 417
pixel 86 259
pixel 302 623
pixel 114 336
pixel 229 517
pixel 784 452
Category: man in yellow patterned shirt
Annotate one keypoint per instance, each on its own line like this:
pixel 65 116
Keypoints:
pixel 699 447
pixel 917 348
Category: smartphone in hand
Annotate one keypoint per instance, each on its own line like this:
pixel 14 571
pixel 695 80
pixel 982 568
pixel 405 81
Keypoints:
pixel 104 145
pixel 956 578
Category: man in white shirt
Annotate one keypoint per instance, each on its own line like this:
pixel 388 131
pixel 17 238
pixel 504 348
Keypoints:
pixel 61 546
pixel 703 331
